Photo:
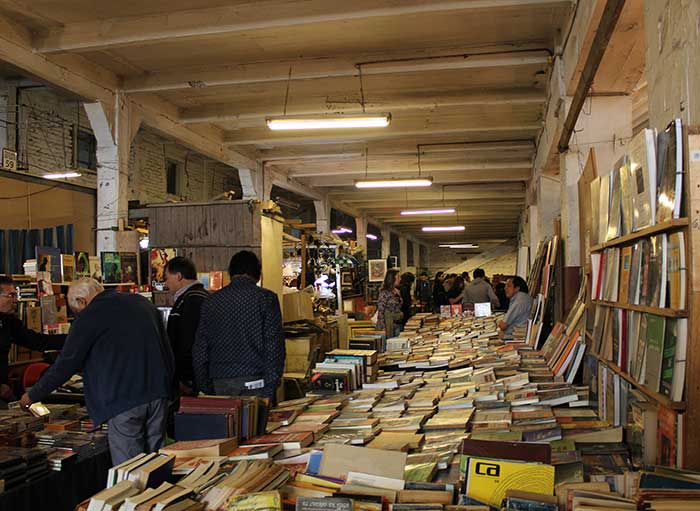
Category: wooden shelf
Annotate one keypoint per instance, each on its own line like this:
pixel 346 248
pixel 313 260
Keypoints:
pixel 669 313
pixel 671 225
pixel 654 396
pixel 25 362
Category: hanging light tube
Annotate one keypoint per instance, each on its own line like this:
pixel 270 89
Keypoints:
pixel 342 230
pixel 394 183
pixel 442 211
pixel 62 175
pixel 320 122
pixel 444 228
pixel 459 245
pixel 372 237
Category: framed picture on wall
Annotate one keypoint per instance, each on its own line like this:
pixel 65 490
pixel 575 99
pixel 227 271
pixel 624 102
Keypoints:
pixel 377 270
pixel 393 262
pixel 346 279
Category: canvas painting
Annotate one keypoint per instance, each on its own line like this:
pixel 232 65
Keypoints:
pixel 377 270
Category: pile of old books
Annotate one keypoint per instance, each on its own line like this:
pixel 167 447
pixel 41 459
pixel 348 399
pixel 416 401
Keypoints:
pixel 211 417
pixel 344 371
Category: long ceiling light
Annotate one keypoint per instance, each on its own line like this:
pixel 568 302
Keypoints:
pixel 444 228
pixel 394 183
pixel 459 245
pixel 62 175
pixel 322 122
pixel 342 230
pixel 372 237
pixel 443 211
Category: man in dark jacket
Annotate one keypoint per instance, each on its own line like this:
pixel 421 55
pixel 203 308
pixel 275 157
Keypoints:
pixel 181 279
pixel 13 331
pixel 240 341
pixel 119 342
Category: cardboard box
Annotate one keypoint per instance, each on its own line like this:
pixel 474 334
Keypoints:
pixel 297 306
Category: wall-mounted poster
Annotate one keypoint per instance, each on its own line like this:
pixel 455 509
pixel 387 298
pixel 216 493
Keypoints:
pixel 377 270
pixel 159 258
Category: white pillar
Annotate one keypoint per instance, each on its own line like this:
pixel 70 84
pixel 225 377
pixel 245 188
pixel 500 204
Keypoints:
pixel 534 237
pixel 416 254
pixel 113 149
pixel 256 183
pixel 403 253
pixel 323 216
pixel 548 204
pixel 361 231
pixel 386 242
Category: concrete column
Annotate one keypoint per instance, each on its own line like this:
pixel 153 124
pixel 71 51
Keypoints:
pixel 361 228
pixel 113 149
pixel 323 216
pixel 256 183
pixel 534 235
pixel 549 204
pixel 416 254
pixel 386 242
pixel 403 253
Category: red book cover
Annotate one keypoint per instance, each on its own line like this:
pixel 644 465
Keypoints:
pixel 208 404
pixel 216 280
pixel 666 441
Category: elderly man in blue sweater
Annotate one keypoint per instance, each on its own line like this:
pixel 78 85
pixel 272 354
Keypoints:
pixel 118 341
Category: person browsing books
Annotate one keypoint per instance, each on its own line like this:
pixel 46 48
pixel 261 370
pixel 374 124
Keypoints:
pixel 479 291
pixel 118 341
pixel 183 321
pixel 519 307
pixel 239 347
pixel 389 303
pixel 13 331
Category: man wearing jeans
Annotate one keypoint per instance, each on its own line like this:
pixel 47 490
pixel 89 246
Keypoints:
pixel 119 343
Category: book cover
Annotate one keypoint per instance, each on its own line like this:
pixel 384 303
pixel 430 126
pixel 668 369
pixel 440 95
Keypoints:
pixel 82 264
pixel 604 208
pixel 262 501
pixel 666 439
pixel 642 154
pixel 216 280
pixel 67 268
pixel 159 258
pixel 622 167
pixel 111 267
pixel 129 267
pixel 669 171
pixel 676 271
pixel 615 208
pixel 48 259
pixel 488 480
pixel 625 266
pixel 595 208
pixel 323 504
pixel 655 348
pixel 95 264
pixel 633 287
pixel 673 364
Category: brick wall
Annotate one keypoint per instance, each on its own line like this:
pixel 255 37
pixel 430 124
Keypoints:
pixel 45 133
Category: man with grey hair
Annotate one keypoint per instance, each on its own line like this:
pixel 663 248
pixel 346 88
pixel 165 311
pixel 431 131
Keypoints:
pixel 119 343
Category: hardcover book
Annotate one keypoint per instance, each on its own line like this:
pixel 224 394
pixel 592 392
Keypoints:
pixel 82 265
pixel 111 267
pixel 642 154
pixel 669 172
pixel 129 267
pixel 655 347
pixel 67 268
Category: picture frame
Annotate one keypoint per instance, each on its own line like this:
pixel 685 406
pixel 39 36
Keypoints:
pixel 346 279
pixel 377 270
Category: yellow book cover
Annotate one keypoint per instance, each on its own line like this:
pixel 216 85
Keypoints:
pixel 263 501
pixel 489 479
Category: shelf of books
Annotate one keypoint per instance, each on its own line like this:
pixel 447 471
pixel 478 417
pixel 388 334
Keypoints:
pixel 639 319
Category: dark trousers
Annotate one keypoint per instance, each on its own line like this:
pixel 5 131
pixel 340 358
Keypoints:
pixel 140 429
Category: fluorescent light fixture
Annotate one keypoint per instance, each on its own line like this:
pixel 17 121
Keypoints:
pixel 342 230
pixel 459 245
pixel 372 237
pixel 62 175
pixel 444 228
pixel 395 183
pixel 143 243
pixel 443 211
pixel 322 122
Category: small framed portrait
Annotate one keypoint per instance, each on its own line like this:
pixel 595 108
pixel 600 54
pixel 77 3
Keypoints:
pixel 377 270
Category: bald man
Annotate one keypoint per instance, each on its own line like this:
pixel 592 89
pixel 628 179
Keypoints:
pixel 118 341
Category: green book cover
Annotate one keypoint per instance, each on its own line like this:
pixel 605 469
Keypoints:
pixel 655 347
pixel 669 355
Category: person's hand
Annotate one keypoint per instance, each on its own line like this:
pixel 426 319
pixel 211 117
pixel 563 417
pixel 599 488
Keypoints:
pixel 25 401
pixel 6 392
pixel 502 325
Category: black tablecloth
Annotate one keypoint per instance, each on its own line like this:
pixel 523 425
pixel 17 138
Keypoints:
pixel 60 491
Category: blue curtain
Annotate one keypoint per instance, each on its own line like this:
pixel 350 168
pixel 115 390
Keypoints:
pixel 18 245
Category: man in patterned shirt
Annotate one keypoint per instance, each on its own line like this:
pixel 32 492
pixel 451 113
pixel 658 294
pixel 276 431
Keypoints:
pixel 239 348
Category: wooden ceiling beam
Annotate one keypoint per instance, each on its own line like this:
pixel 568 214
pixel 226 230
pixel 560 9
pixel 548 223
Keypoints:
pixel 292 154
pixel 405 167
pixel 456 177
pixel 166 26
pixel 398 129
pixel 248 114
